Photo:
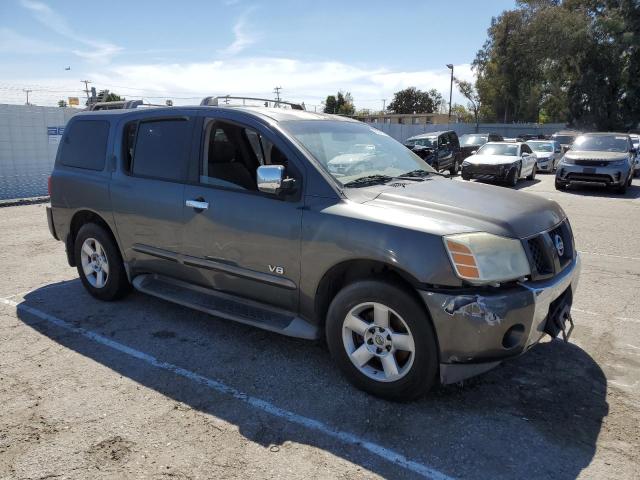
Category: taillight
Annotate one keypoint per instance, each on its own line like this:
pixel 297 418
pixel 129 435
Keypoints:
pixel 49 185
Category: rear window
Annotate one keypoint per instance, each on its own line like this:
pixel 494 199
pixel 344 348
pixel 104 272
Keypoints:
pixel 85 144
pixel 161 149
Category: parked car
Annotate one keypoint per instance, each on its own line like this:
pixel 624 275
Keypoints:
pixel 548 154
pixel 441 150
pixel 565 138
pixel 501 161
pixel 635 140
pixel 473 141
pixel 234 211
pixel 602 158
pixel 525 137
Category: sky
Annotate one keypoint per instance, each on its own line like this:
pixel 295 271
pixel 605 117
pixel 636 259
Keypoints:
pixel 186 50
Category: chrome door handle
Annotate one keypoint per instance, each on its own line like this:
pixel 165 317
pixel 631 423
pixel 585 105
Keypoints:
pixel 197 204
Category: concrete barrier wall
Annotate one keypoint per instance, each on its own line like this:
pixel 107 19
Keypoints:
pixel 29 138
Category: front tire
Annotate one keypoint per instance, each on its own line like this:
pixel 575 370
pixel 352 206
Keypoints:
pixel 533 173
pixel 560 185
pixel 382 340
pixel 512 177
pixel 99 263
pixel 454 168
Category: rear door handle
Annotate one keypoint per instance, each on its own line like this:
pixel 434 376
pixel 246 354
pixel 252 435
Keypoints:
pixel 198 205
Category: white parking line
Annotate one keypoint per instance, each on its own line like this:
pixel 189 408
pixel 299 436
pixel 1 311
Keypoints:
pixel 265 406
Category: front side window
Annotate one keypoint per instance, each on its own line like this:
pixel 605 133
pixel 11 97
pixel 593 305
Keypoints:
pixel 161 149
pixel 233 153
pixel 85 145
pixel 332 143
pixel 499 149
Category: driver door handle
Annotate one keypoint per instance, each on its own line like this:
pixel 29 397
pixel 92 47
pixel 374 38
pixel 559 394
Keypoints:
pixel 197 204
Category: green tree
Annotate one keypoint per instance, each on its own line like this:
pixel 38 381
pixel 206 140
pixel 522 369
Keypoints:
pixel 341 104
pixel 107 96
pixel 463 114
pixel 62 103
pixel 412 100
pixel 468 91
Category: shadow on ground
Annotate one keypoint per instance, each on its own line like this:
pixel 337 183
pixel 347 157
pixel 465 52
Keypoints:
pixel 537 416
pixel 601 191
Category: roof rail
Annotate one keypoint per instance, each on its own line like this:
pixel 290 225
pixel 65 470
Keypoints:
pixel 224 99
pixel 121 105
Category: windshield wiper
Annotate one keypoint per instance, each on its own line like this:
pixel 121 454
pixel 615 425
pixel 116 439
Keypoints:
pixel 420 174
pixel 368 180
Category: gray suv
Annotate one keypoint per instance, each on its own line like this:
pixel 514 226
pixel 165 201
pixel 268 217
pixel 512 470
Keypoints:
pixel 410 277
pixel 601 158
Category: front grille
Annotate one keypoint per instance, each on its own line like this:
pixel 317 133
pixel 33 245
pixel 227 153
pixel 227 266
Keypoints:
pixel 592 163
pixel 589 177
pixel 550 252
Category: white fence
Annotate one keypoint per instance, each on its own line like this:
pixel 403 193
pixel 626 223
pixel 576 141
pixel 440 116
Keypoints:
pixel 508 130
pixel 29 138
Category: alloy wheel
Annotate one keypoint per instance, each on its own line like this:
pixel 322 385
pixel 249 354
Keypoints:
pixel 95 263
pixel 378 342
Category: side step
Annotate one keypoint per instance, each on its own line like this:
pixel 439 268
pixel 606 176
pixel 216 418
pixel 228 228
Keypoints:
pixel 225 306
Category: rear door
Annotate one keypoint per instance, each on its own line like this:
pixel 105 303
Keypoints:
pixel 236 239
pixel 147 191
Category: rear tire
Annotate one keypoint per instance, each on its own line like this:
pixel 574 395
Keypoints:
pixel 371 328
pixel 454 168
pixel 100 264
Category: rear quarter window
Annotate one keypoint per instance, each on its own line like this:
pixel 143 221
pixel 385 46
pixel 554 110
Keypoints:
pixel 85 144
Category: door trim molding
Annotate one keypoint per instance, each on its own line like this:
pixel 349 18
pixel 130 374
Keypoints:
pixel 217 265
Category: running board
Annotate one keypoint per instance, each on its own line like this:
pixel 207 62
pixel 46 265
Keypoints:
pixel 225 306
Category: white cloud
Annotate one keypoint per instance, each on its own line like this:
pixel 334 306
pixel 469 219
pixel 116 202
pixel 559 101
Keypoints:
pixel 242 37
pixel 14 42
pixel 304 81
pixel 99 51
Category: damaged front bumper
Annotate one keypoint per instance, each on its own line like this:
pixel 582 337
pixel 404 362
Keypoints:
pixel 476 331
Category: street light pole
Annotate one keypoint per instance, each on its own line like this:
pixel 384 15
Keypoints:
pixel 450 67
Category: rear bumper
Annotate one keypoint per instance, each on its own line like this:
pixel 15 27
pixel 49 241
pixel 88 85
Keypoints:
pixel 584 174
pixel 476 331
pixel 52 227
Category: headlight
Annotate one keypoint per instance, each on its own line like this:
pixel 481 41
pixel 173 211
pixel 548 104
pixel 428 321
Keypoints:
pixel 617 163
pixel 465 163
pixel 568 161
pixel 485 258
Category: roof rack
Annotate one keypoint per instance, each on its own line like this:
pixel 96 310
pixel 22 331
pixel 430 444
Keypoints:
pixel 121 105
pixel 224 100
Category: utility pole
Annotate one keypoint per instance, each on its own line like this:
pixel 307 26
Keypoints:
pixel 384 102
pixel 27 92
pixel 450 67
pixel 277 92
pixel 86 86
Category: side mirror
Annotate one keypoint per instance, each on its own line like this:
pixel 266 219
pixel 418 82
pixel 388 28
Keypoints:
pixel 271 179
pixel 525 154
pixel 473 152
pixel 633 150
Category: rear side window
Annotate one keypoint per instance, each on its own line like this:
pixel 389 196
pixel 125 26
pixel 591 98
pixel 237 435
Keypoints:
pixel 85 144
pixel 161 149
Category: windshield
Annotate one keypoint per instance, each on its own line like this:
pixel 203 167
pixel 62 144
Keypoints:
pixel 473 140
pixel 424 142
pixel 332 142
pixel 564 139
pixel 510 150
pixel 601 143
pixel 541 146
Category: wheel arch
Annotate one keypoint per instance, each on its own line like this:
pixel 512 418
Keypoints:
pixel 350 271
pixel 80 218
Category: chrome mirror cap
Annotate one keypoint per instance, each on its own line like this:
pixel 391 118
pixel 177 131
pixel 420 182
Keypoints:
pixel 270 178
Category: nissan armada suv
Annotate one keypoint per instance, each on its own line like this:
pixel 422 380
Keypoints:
pixel 410 278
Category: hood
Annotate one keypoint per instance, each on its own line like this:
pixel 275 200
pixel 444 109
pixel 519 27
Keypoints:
pixel 589 155
pixel 441 206
pixel 491 159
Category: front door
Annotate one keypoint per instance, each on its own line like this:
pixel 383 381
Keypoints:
pixel 235 238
